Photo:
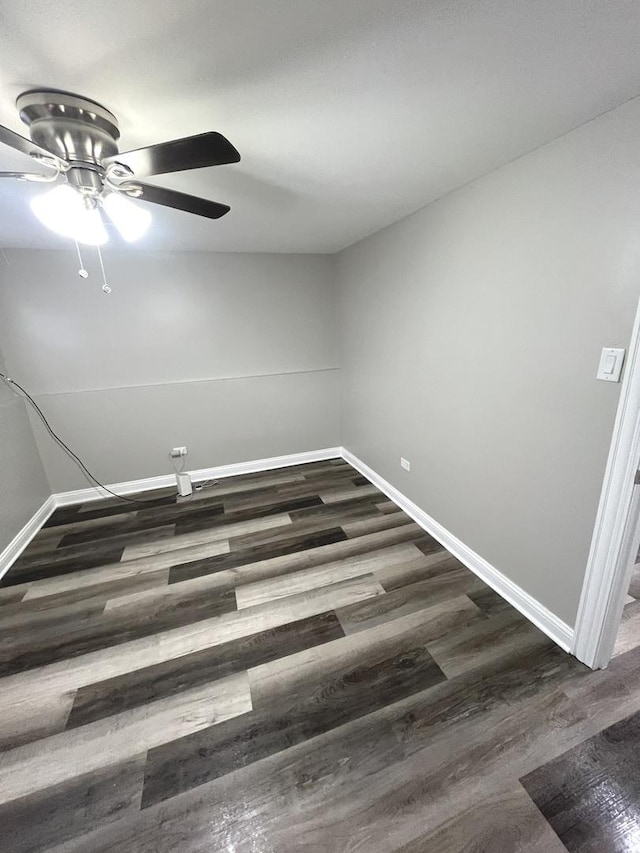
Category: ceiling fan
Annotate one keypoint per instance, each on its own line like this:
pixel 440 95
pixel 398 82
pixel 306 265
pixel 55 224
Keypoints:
pixel 77 139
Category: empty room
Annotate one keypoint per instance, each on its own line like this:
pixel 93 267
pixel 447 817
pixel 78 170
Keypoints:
pixel 319 426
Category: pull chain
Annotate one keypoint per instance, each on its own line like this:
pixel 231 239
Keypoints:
pixel 105 286
pixel 81 271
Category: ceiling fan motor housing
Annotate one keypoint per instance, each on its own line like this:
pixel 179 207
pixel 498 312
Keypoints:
pixel 78 137
pixel 78 130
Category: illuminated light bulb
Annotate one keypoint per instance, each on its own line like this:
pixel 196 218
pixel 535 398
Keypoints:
pixel 131 220
pixel 64 211
pixel 90 227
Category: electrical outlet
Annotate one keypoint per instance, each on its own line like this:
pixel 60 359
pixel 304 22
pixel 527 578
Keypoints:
pixel 405 464
pixel 177 452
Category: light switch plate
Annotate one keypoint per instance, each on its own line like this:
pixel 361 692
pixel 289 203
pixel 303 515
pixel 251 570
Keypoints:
pixel 610 367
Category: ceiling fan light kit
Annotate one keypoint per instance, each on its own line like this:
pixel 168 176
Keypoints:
pixel 78 139
pixel 69 214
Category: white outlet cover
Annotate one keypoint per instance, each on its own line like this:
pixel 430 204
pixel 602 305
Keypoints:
pixel 405 463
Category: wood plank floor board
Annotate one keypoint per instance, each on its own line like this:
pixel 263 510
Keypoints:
pixel 365 544
pixel 234 485
pixel 353 529
pixel 345 494
pixel 63 566
pixel 359 480
pixel 150 497
pixel 60 642
pixel 291 675
pixel 277 567
pixel 590 794
pixel 341 781
pixel 52 559
pixel 213 817
pixel 388 506
pixel 128 570
pixel 32 824
pixel 120 737
pixel 352 691
pixel 381 808
pixel 261 498
pixel 420 567
pixel 48 537
pixel 261 501
pixel 314 577
pixel 429 545
pixel 413 796
pixel 274 536
pixel 431 588
pixel 476 694
pixel 189 525
pixel 35 597
pixel 184 592
pixel 608 696
pixel 367 504
pixel 173 676
pixel 634 583
pixel 26 719
pixel 259 553
pixel 201 511
pixel 42 543
pixel 202 537
pixel 99 508
pixel 257 498
pixel 343 482
pixel 408 599
pixel 629 630
pixel 310 470
pixel 10 595
pixel 14 625
pixel 73 673
pixel 124 535
pixel 285 661
pixel 506 822
pixel 62 515
pixel 489 601
pixel 486 640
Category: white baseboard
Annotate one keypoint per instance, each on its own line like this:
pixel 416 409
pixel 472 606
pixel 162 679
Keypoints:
pixel 20 541
pixel 542 617
pixel 216 473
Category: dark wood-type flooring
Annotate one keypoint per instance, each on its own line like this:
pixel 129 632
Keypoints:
pixel 286 662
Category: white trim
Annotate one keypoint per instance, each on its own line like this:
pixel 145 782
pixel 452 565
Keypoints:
pixel 217 473
pixel 543 618
pixel 20 541
pixel 616 531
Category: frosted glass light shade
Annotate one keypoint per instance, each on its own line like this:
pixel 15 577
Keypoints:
pixel 131 220
pixel 63 210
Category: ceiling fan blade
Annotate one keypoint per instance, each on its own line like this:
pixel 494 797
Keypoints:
pixel 191 152
pixel 171 198
pixel 26 146
pixel 30 176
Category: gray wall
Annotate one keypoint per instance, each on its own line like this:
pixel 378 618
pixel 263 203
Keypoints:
pixel 23 485
pixel 471 333
pixel 234 356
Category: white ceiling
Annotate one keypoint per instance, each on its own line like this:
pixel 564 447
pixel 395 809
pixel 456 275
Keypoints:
pixel 349 114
